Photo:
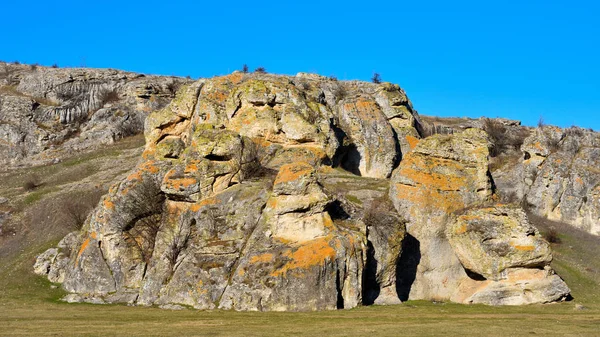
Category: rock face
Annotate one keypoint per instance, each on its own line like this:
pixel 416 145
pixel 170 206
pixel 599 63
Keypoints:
pixel 561 179
pixel 46 113
pixel 265 192
pixel 463 257
pixel 443 174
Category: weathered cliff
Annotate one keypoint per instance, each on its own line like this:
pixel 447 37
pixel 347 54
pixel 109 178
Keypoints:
pixel 265 192
pixel 49 113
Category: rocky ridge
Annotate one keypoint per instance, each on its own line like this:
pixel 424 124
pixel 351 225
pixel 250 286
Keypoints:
pixel 266 192
pixel 50 113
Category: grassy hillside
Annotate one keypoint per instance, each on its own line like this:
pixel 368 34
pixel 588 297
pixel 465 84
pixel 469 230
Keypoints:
pixel 29 304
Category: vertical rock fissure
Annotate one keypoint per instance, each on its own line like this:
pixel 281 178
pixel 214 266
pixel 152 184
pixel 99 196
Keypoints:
pixel 241 254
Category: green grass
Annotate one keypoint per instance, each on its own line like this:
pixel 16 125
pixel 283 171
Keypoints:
pixel 35 196
pixel 70 170
pixel 29 306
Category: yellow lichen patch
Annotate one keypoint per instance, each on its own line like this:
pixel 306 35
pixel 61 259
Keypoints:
pixel 462 229
pixel 217 96
pixel 267 257
pixel 292 172
pixel 312 253
pixel 272 203
pixel 470 217
pixel 525 248
pixel 424 198
pixel 412 141
pixel 327 222
pixel 423 171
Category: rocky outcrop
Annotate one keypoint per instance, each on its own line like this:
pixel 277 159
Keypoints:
pixel 48 113
pixel 552 170
pixel 443 174
pixel 462 257
pixel 265 192
pixel 202 222
pixel 561 179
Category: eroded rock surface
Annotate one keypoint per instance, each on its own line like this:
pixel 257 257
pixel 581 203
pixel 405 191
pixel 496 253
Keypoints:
pixel 561 176
pixel 49 113
pixel 265 192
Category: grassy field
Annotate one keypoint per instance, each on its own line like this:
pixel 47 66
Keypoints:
pixel 30 306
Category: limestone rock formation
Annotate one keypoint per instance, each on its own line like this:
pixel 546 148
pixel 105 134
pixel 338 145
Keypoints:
pixel 506 258
pixel 561 179
pixel 47 113
pixel 553 171
pixel 266 192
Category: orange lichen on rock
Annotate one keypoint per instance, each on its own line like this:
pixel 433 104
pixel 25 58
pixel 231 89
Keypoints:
pixel 181 183
pixel 267 257
pixel 313 253
pixel 108 204
pixel 422 170
pixel 538 146
pixel 83 247
pixel 327 222
pixel 462 229
pixel 146 167
pixel 235 78
pixel 291 172
pixel 365 108
pixel 205 202
pixel 412 141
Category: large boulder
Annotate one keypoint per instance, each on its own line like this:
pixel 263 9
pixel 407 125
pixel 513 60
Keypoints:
pixel 507 260
pixel 489 241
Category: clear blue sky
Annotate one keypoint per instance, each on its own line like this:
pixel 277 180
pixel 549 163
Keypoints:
pixel 514 59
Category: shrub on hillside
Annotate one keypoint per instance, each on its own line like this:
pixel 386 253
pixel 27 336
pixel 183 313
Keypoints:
pixel 31 183
pixel 504 139
pixel 108 96
pixel 376 78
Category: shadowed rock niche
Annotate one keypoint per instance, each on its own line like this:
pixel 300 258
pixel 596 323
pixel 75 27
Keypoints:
pixel 265 192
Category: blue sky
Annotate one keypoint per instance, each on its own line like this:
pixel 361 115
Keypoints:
pixel 513 59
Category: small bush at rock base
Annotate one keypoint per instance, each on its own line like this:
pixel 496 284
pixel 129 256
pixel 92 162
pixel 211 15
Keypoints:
pixel 552 236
